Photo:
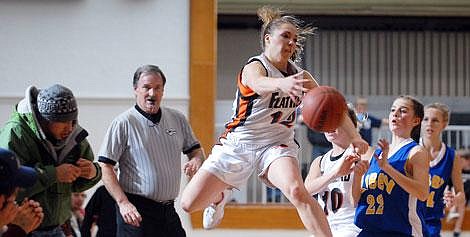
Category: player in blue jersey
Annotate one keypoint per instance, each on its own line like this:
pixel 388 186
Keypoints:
pixel 397 179
pixel 444 166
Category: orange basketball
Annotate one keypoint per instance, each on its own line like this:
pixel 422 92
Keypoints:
pixel 323 108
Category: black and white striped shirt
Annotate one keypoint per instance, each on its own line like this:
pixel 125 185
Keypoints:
pixel 149 153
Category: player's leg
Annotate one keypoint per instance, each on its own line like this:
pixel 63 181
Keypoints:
pixel 228 166
pixel 284 174
pixel 211 179
pixel 459 221
pixel 203 189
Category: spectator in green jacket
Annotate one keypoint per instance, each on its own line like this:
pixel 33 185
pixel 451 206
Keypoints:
pixel 44 134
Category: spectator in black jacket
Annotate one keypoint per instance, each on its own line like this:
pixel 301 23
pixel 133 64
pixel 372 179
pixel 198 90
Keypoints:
pixel 319 143
pixel 100 210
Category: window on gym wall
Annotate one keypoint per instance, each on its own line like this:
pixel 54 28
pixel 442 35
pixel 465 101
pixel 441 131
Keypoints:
pixel 390 63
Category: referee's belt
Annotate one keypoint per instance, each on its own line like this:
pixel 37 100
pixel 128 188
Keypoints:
pixel 166 203
pixel 137 198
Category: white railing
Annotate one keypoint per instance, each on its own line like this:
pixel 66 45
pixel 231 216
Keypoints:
pixel 457 136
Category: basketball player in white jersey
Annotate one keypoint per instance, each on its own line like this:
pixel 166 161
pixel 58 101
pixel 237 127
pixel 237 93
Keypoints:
pixel 260 135
pixel 330 180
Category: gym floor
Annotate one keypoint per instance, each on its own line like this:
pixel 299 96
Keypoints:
pixel 267 233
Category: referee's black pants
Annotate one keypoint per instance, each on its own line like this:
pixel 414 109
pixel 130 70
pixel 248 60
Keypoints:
pixel 158 219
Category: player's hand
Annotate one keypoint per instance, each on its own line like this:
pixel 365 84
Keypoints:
pixel 360 168
pixel 67 173
pixel 449 198
pixel 192 166
pixel 382 159
pixel 294 86
pixel 129 213
pixel 87 168
pixel 312 82
pixel 346 166
pixel 359 145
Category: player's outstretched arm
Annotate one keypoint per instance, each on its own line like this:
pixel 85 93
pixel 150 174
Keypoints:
pixel 254 76
pixel 312 82
pixel 359 144
pixel 456 177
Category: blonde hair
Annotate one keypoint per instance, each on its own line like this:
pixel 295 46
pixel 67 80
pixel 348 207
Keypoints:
pixel 361 100
pixel 273 18
pixel 441 107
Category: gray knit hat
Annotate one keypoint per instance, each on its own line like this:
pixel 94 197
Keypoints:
pixel 57 103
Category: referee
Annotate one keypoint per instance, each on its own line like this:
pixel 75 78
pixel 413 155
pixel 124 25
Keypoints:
pixel 146 141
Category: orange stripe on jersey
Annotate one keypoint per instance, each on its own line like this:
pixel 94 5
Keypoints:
pixel 241 114
pixel 245 91
pixel 245 99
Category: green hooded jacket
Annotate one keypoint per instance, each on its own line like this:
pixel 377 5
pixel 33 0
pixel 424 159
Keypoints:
pixel 23 135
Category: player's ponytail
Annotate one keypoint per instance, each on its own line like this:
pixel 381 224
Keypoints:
pixel 273 18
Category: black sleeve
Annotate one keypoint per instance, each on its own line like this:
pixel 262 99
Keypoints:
pixel 14 231
pixel 196 146
pixel 106 160
pixel 91 210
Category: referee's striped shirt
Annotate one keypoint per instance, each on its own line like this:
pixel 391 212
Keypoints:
pixel 149 152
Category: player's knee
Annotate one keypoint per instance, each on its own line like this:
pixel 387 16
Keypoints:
pixel 186 205
pixel 297 193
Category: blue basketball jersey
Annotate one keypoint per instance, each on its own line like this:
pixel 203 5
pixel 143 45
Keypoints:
pixel 385 207
pixel 440 173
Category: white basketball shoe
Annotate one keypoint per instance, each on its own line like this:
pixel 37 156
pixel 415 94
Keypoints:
pixel 214 213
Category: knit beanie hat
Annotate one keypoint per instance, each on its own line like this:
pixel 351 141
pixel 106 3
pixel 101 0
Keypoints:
pixel 57 103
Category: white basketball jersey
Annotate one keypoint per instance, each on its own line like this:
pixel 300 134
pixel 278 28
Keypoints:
pixel 265 118
pixel 336 197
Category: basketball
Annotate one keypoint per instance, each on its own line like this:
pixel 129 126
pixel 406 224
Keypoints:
pixel 323 108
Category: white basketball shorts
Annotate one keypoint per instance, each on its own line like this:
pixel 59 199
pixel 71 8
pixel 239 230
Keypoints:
pixel 233 162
